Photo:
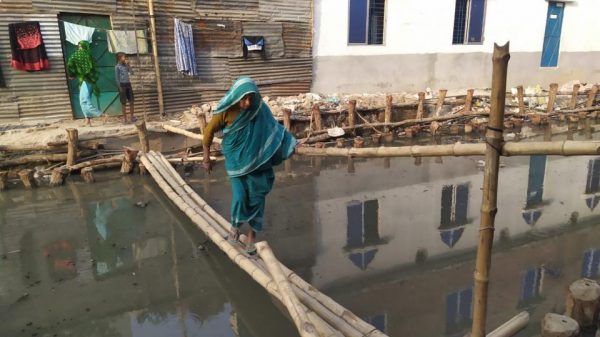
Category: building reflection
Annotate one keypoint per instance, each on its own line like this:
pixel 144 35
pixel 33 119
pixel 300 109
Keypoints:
pixel 535 190
pixel 362 232
pixel 455 202
pixel 592 185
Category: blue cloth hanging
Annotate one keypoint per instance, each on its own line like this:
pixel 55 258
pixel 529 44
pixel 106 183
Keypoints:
pixel 185 55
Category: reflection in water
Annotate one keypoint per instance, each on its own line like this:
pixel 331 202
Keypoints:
pixel 459 310
pixel 91 263
pixel 592 186
pixel 535 189
pixel 455 202
pixel 362 231
pixel 591 259
pixel 394 244
pixel 531 286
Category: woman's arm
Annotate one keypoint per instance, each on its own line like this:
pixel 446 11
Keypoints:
pixel 215 124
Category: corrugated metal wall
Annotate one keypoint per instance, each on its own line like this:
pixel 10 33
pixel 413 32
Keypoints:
pixel 218 28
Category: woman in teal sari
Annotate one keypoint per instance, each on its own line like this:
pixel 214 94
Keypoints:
pixel 253 142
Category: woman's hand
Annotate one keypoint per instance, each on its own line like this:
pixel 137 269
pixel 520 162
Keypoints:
pixel 207 165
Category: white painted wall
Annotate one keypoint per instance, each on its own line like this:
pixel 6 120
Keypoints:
pixel 419 27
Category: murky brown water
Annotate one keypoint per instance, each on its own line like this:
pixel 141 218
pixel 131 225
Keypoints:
pixel 392 239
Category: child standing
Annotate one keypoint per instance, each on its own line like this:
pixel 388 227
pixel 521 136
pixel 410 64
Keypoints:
pixel 122 72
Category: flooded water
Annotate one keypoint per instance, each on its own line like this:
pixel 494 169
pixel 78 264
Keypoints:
pixel 393 240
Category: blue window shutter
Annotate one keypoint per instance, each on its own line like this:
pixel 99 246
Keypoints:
pixel 354 210
pixel 476 21
pixel 357 25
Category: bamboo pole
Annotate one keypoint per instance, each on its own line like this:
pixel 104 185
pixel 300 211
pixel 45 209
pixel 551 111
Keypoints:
pixel 521 99
pixel 129 157
pixel 440 102
pixel 33 158
pixel 469 101
pixel 218 234
pixel 292 304
pixel 592 96
pixel 188 133
pixel 557 148
pixel 421 106
pixel 143 135
pixel 27 179
pixel 351 112
pixel 3 180
pixel 512 327
pixel 574 95
pixel 317 301
pixel 159 89
pixel 316 113
pixel 72 139
pixel 552 97
pixel 494 143
pixel 286 119
pixel 87 174
pixel 388 111
pixel 58 176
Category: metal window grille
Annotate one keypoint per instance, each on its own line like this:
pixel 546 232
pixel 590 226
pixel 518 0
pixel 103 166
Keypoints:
pixel 460 21
pixel 376 20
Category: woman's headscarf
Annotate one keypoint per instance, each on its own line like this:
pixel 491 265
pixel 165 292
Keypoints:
pixel 82 66
pixel 255 138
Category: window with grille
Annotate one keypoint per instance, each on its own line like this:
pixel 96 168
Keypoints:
pixel 468 21
pixel 366 21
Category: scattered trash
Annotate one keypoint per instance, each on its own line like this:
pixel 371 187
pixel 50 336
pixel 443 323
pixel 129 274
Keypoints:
pixel 141 204
pixel 335 132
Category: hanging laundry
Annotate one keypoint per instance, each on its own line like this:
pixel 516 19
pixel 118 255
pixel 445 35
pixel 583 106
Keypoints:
pixel 27 46
pixel 185 56
pixel 75 33
pixel 127 41
pixel 254 44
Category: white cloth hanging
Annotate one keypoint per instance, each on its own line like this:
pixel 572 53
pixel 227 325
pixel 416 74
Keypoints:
pixel 124 41
pixel 75 33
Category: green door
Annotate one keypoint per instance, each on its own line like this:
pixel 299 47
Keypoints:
pixel 108 102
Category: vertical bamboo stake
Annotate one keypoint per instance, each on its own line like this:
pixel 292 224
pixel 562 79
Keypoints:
pixel 494 144
pixel 26 177
pixel 592 96
pixel 573 103
pixel 3 180
pixel 388 111
pixel 351 112
pixel 58 176
pixel 87 174
pixel 161 104
pixel 316 112
pixel 286 119
pixel 521 99
pixel 440 102
pixel 142 133
pixel 72 140
pixel 552 97
pixel 469 101
pixel 299 316
pixel 421 107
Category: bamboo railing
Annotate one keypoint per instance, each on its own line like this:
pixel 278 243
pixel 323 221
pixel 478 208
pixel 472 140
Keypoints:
pixel 557 148
pixel 327 316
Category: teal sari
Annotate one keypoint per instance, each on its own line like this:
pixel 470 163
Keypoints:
pixel 252 145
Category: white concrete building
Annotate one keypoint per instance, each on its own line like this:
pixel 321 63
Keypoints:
pixel 408 45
